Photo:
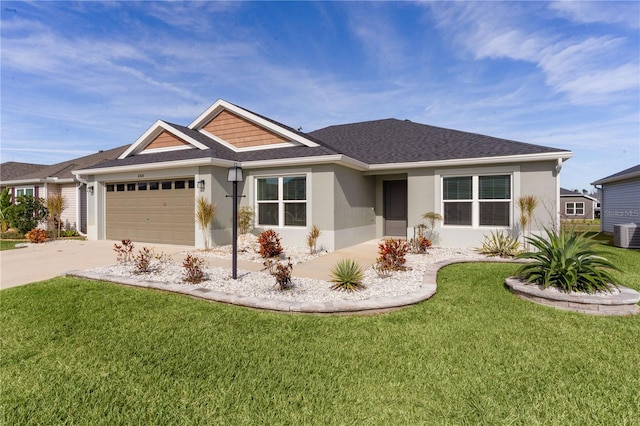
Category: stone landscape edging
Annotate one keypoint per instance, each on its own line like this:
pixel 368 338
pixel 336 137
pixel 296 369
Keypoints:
pixel 377 305
pixel 623 303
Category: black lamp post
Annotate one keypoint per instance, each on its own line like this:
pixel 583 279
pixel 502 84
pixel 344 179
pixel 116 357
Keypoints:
pixel 235 176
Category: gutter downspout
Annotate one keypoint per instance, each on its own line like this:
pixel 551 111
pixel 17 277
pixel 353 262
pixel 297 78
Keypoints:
pixel 79 204
pixel 558 168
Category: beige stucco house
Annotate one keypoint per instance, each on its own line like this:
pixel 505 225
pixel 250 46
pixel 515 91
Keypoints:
pixel 356 182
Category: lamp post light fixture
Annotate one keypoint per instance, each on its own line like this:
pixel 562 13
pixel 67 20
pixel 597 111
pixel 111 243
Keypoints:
pixel 90 189
pixel 201 185
pixel 235 176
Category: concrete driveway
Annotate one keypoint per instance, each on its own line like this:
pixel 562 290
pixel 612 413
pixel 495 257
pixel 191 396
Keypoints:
pixel 43 261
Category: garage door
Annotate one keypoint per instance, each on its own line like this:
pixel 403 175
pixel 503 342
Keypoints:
pixel 151 211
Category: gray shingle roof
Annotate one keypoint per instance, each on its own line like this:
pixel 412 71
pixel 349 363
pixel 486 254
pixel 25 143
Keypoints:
pixel 400 141
pixel 11 170
pixel 372 142
pixel 625 174
pixel 63 170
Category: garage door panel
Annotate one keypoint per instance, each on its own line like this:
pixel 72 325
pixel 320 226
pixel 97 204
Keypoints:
pixel 163 216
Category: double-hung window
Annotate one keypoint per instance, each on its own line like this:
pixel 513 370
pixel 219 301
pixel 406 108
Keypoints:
pixel 24 191
pixel 477 200
pixel 281 201
pixel 574 209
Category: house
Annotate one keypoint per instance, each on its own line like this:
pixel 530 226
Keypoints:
pixel 11 170
pixel 356 182
pixel 41 181
pixel 576 205
pixel 620 198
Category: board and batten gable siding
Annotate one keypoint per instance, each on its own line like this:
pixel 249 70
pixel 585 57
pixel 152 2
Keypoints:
pixel 239 132
pixel 166 140
pixel 620 203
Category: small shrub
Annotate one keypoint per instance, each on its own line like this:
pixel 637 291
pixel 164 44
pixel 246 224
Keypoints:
pixel 392 255
pixel 282 273
pixel 162 257
pixel 269 242
pixel 245 219
pixel 142 261
pixel 27 213
pixel 347 276
pixel 124 251
pixel 193 272
pixel 70 233
pixel 12 234
pixel 36 235
pixel 567 262
pixel 312 239
pixel 500 244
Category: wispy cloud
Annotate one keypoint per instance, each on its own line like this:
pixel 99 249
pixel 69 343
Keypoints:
pixel 623 12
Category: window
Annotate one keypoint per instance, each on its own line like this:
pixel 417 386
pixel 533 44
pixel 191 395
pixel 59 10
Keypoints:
pixel 154 186
pixel 477 200
pixel 120 187
pixel 131 187
pixel 282 201
pixel 179 184
pixel 574 209
pixel 24 191
pixel 142 186
pixel 110 187
pixel 166 184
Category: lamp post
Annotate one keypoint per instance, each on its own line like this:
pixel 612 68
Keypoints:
pixel 235 176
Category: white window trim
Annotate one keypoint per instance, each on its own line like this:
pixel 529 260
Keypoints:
pixel 575 207
pixel 24 189
pixel 513 171
pixel 281 201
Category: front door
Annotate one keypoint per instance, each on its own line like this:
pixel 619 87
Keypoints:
pixel 395 208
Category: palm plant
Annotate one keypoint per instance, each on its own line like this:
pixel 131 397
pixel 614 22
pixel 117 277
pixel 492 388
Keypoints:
pixel 205 214
pixel 568 262
pixel 347 276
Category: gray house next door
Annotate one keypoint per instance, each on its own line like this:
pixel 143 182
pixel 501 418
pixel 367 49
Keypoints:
pixel 395 208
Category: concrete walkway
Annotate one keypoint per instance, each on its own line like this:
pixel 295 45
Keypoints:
pixel 44 261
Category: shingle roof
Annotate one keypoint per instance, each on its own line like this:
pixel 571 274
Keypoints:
pixel 400 141
pixel 11 170
pixel 63 170
pixel 625 174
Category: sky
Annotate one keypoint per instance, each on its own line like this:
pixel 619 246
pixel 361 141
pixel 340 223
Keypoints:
pixel 78 77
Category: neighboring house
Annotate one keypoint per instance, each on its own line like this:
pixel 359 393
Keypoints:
pixel 576 205
pixel 356 182
pixel 620 198
pixel 11 170
pixel 42 181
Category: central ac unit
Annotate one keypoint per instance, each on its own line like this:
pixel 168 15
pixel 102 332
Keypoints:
pixel 626 235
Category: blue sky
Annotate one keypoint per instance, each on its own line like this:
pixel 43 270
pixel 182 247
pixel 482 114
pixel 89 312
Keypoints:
pixel 78 77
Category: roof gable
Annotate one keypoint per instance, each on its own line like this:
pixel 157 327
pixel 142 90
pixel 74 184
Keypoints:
pixel 162 137
pixel 242 130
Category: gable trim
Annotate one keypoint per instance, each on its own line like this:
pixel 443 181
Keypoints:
pixel 154 131
pixel 221 105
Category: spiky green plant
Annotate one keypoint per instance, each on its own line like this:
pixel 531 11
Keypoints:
pixel 347 275
pixel 500 244
pixel 568 262
pixel 205 214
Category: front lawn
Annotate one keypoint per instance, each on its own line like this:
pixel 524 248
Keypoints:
pixel 9 245
pixel 82 352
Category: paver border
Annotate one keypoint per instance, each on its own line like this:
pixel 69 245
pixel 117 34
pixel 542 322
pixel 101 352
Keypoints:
pixel 366 306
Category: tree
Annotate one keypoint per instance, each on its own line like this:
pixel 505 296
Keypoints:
pixel 5 203
pixel 27 213
pixel 205 213
pixel 56 205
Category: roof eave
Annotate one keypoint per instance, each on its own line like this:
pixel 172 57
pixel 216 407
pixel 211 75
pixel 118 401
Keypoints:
pixel 546 156
pixel 617 178
pixel 205 161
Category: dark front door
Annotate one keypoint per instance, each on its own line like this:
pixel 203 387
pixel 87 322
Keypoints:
pixel 395 208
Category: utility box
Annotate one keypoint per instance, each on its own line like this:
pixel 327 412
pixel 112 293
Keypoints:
pixel 626 235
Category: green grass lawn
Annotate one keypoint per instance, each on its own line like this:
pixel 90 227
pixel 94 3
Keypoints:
pixel 9 245
pixel 81 352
